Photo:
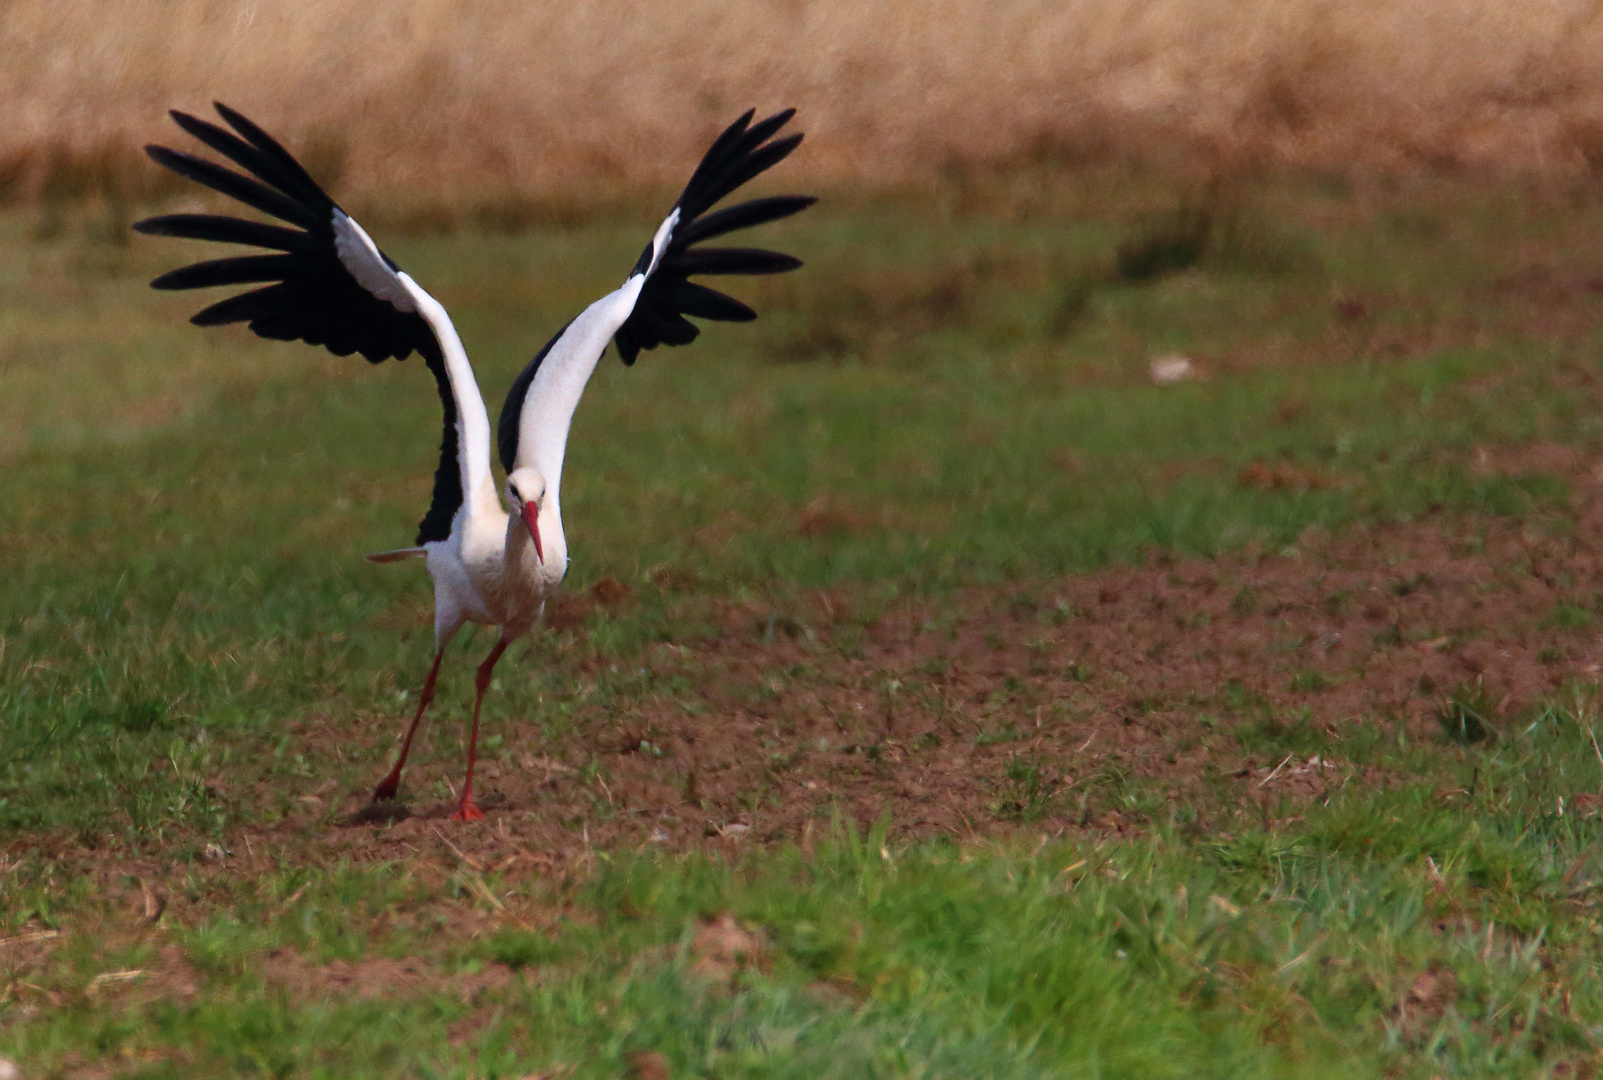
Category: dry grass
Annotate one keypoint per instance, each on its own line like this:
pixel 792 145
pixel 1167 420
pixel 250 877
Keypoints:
pixel 429 103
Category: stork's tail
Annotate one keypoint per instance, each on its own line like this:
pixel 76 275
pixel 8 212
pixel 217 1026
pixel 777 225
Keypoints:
pixel 397 555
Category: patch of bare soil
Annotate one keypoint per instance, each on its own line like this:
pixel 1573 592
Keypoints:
pixel 1429 997
pixel 1188 690
pixel 376 977
pixel 1052 708
pixel 1209 691
pixel 31 977
pixel 722 947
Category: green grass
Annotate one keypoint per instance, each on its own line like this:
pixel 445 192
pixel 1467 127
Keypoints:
pixel 1292 951
pixel 953 392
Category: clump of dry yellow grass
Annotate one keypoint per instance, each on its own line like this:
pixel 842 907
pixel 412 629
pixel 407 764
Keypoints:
pixel 435 102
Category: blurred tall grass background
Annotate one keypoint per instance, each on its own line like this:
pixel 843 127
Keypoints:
pixel 435 107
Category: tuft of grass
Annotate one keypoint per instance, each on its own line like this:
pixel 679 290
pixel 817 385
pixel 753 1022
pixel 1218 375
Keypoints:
pixel 1273 734
pixel 1028 790
pixel 1246 601
pixel 519 949
pixel 1466 716
pixel 1308 681
pixel 1568 615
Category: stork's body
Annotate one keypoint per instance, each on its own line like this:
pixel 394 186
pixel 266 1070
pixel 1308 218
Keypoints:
pixel 332 286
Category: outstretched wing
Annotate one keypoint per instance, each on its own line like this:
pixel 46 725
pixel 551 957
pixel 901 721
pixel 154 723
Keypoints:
pixel 742 152
pixel 326 282
pixel 650 308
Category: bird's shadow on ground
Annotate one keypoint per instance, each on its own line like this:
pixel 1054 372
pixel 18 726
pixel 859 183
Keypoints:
pixel 389 811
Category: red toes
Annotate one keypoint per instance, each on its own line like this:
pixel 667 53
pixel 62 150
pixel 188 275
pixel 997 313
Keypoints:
pixel 468 811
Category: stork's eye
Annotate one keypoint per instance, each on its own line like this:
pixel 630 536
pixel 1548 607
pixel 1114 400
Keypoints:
pixel 512 489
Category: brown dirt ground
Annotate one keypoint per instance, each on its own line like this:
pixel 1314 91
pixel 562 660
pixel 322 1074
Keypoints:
pixel 932 714
pixel 1147 681
pixel 1115 694
pixel 374 976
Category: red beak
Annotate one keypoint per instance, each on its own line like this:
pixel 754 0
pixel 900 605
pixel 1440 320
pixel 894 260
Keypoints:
pixel 531 518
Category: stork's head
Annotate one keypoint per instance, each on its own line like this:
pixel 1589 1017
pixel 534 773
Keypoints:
pixel 526 494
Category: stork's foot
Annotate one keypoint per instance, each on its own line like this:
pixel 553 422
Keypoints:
pixel 468 810
pixel 388 789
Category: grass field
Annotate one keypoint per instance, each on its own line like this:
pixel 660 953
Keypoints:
pixel 971 706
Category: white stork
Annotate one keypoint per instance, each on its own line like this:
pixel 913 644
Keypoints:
pixel 330 285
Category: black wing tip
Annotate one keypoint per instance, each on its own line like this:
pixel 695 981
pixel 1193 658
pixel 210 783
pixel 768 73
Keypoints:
pixel 195 126
pixel 737 128
pixel 238 120
pixel 184 119
pixel 175 161
pixel 762 135
pixel 249 129
pixel 777 151
pixel 795 204
pixel 742 151
pixel 772 123
pixel 789 205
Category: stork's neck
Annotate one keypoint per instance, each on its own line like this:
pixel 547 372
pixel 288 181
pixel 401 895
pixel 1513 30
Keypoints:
pixel 472 421
pixel 559 383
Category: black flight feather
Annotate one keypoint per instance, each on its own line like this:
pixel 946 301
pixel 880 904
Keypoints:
pixel 294 175
pixel 705 303
pixel 740 153
pixel 308 294
pixel 250 192
pixel 270 168
pixel 736 261
pixel 742 216
pixel 235 271
pixel 447 498
pixel 227 230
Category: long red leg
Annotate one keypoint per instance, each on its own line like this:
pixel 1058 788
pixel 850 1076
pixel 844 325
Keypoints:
pixel 391 784
pixel 468 810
